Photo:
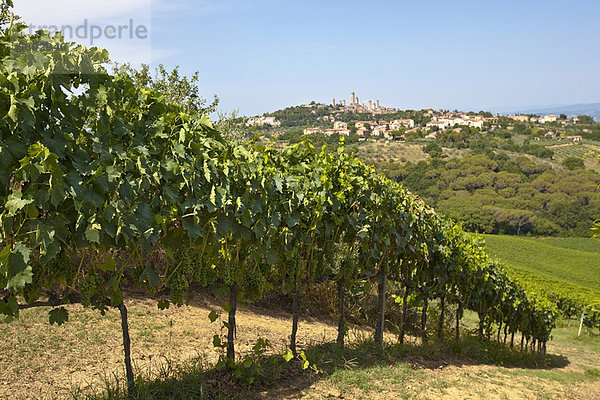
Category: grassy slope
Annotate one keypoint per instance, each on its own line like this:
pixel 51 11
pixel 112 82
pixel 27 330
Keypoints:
pixel 581 244
pixel 572 260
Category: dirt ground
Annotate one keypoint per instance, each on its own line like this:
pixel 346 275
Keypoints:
pixel 45 362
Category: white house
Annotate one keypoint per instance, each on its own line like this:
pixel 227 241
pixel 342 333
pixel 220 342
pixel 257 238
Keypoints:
pixel 262 121
pixel 547 118
pixel 438 124
pixel 310 131
pixel 407 123
pixel 340 125
pixel 341 132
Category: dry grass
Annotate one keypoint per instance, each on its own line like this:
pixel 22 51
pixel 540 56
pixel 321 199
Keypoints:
pixel 42 361
pixel 398 152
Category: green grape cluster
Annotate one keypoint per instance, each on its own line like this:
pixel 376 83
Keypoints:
pixel 183 261
pixel 179 286
pixel 187 264
pixel 322 259
pixel 227 274
pixel 91 289
pixel 203 272
pixel 254 282
pixel 199 275
pixel 62 269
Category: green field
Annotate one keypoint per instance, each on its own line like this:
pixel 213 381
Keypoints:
pixel 573 262
pixel 573 243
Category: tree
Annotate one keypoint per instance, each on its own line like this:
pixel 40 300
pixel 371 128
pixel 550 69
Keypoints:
pixel 513 218
pixel 470 212
pixel 585 119
pixel 104 174
pixel 397 134
pixel 433 150
pixel 176 88
pixel 7 17
pixel 352 128
pixel 573 163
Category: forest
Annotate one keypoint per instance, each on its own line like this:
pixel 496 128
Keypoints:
pixel 492 193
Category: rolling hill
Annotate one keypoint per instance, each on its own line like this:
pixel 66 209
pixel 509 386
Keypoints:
pixel 569 262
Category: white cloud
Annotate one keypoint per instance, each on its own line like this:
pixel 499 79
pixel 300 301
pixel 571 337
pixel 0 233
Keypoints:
pixel 73 14
pixel 160 6
pixel 122 27
pixel 207 7
pixel 65 12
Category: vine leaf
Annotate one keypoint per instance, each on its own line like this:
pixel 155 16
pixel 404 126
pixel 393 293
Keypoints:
pixel 16 203
pixel 16 265
pixel 92 234
pixel 58 316
pixel 164 304
pixel 108 265
pixel 272 257
pixel 288 355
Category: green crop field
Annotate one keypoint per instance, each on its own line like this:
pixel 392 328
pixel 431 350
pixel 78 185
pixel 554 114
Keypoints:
pixel 578 150
pixel 573 243
pixel 570 261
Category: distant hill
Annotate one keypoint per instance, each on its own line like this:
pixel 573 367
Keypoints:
pixel 592 109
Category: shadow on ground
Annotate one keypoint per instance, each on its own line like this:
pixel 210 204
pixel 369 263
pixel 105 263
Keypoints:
pixel 331 359
pixel 271 377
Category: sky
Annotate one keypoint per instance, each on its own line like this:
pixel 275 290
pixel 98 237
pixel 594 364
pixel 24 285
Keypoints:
pixel 258 56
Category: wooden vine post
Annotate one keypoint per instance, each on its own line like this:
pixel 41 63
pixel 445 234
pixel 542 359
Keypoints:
pixel 127 350
pixel 381 291
pixel 341 323
pixel 231 331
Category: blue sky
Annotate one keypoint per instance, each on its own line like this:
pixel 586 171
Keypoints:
pixel 262 55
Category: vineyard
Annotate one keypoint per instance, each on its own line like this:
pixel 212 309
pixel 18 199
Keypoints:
pixel 578 150
pixel 565 270
pixel 106 187
pixel 395 152
pixel 560 259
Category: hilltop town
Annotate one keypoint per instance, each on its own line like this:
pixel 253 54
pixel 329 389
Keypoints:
pixel 370 121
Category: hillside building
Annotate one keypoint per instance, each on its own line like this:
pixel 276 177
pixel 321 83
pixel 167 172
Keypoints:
pixel 519 118
pixel 547 118
pixel 310 131
pixel 262 121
